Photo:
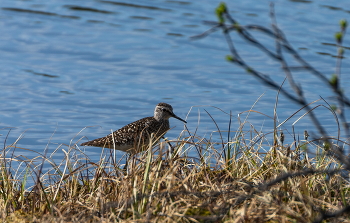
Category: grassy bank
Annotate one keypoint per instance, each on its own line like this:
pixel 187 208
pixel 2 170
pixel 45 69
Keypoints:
pixel 235 181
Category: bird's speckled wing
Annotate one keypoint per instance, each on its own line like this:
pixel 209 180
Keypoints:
pixel 126 137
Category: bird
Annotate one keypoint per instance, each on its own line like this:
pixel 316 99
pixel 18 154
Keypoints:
pixel 135 137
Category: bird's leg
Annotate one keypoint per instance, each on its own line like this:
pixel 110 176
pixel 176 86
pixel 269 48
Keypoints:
pixel 130 157
pixel 125 168
pixel 171 150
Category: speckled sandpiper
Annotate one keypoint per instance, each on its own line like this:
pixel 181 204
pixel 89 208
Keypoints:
pixel 134 137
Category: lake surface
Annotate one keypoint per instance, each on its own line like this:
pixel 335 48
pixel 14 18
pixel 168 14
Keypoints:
pixel 67 65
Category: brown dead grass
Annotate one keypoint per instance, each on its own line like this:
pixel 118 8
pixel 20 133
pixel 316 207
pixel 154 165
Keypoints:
pixel 158 188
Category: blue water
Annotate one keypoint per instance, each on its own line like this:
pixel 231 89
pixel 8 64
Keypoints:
pixel 67 65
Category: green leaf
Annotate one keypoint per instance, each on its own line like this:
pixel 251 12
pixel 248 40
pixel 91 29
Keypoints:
pixel 341 51
pixel 343 24
pixel 230 58
pixel 220 10
pixel 334 107
pixel 334 80
pixel 237 27
pixel 249 70
pixel 326 146
pixel 338 37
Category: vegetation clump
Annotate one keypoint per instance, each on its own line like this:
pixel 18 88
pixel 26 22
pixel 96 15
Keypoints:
pixel 249 185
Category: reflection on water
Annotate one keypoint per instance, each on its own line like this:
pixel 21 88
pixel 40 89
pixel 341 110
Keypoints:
pixel 141 17
pixel 135 5
pixel 41 74
pixel 39 12
pixel 80 8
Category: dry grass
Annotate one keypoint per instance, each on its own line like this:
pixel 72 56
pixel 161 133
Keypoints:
pixel 240 185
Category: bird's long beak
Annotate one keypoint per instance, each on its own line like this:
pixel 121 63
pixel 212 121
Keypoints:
pixel 175 116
